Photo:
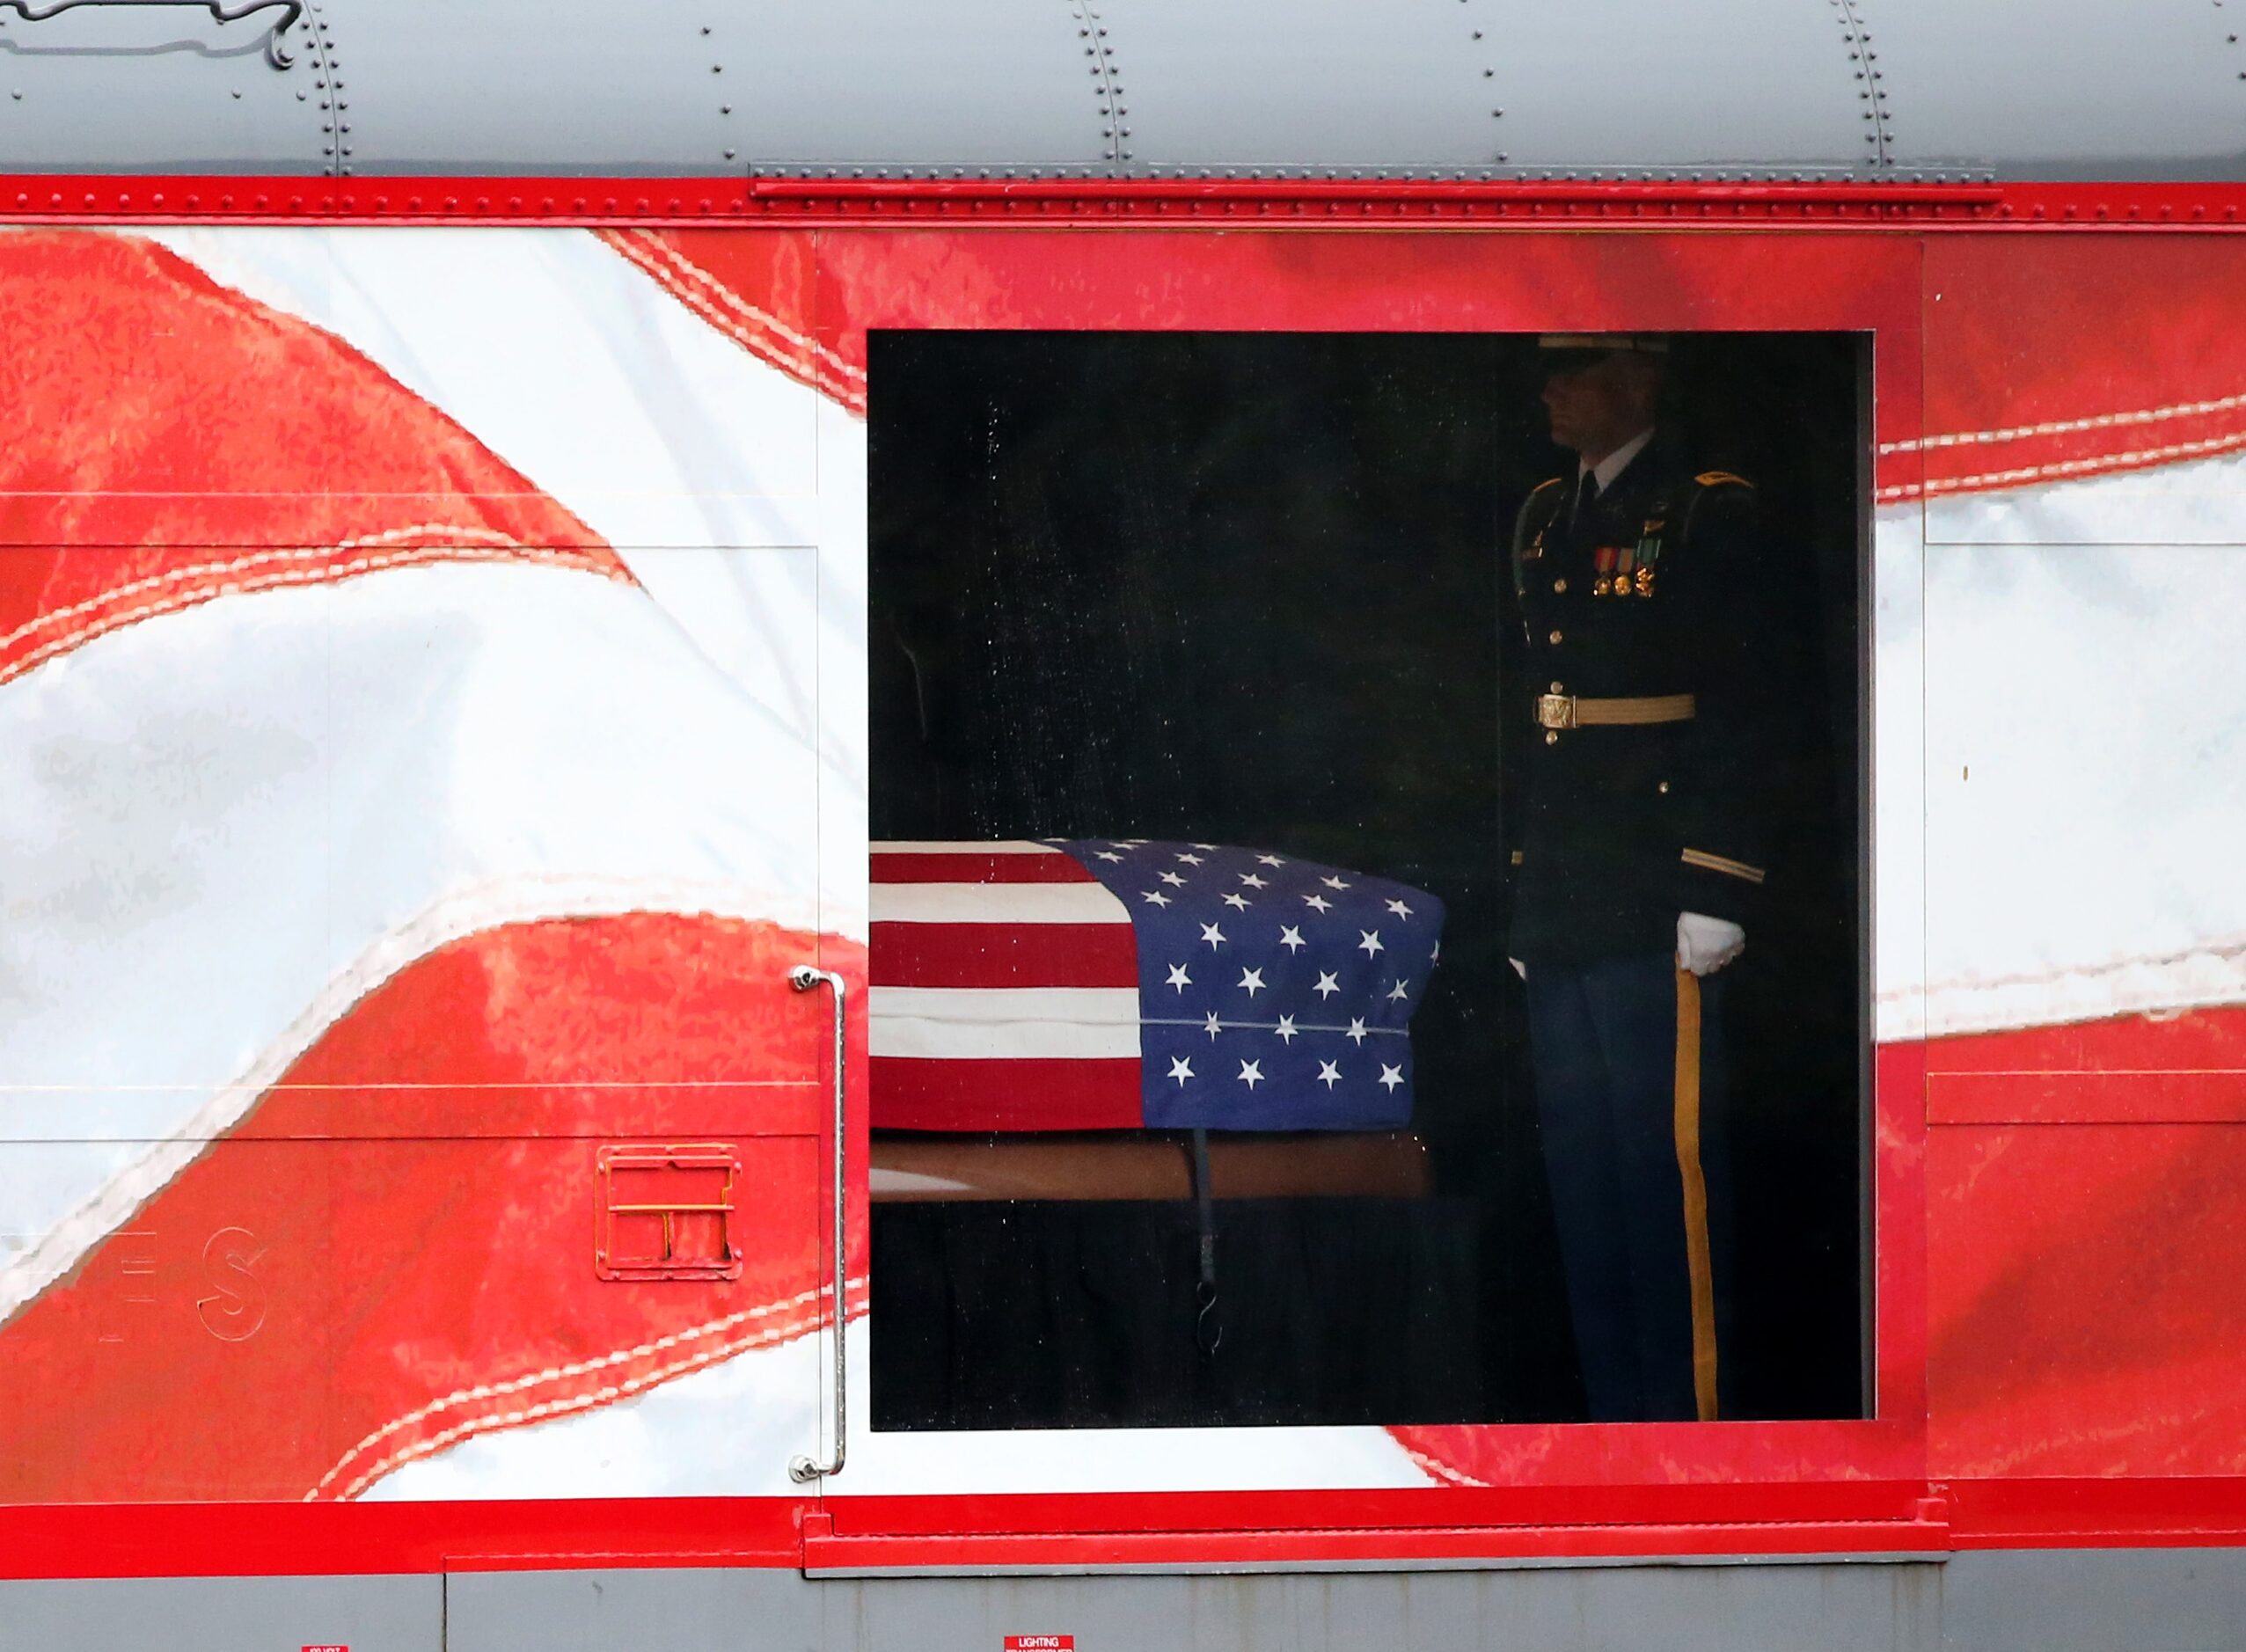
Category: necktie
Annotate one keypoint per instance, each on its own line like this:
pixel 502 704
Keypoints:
pixel 1586 496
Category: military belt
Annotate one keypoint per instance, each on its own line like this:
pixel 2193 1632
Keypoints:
pixel 1575 711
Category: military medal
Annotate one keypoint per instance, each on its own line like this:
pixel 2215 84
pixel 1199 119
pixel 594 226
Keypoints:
pixel 1649 553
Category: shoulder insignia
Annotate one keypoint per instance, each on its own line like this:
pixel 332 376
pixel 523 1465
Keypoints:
pixel 1718 485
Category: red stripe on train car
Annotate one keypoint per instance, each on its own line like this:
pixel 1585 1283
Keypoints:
pixel 912 1092
pixel 1316 205
pixel 2209 1040
pixel 1004 955
pixel 1187 1530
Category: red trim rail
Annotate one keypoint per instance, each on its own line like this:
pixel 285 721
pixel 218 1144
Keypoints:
pixel 1207 1532
pixel 1123 202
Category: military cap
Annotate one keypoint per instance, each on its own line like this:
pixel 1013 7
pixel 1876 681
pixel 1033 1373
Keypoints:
pixel 1565 352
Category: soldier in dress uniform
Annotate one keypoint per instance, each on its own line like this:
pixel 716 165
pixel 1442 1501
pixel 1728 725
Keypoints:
pixel 1642 786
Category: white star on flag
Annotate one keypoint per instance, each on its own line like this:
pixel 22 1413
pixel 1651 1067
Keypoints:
pixel 1236 903
pixel 1214 936
pixel 1179 978
pixel 1368 942
pixel 1397 993
pixel 1191 860
pixel 1286 1029
pixel 1269 860
pixel 1290 937
pixel 1210 1027
pixel 1157 897
pixel 1181 1069
pixel 1390 1077
pixel 1329 1073
pixel 1253 882
pixel 1173 880
pixel 1334 883
pixel 1327 986
pixel 1112 844
pixel 1252 980
pixel 1318 903
pixel 1251 1073
pixel 1356 1035
pixel 1399 908
pixel 1109 854
pixel 1204 845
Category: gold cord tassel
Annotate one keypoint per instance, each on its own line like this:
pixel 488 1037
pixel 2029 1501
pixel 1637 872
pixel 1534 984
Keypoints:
pixel 1699 1265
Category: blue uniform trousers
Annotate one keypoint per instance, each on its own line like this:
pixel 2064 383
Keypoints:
pixel 1640 1213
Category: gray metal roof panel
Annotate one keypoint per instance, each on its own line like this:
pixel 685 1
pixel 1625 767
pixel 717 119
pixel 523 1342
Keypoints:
pixel 1293 84
pixel 666 88
pixel 2063 89
pixel 1440 85
pixel 1610 84
pixel 1480 87
pixel 154 91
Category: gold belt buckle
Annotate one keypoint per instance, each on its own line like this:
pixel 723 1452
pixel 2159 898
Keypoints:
pixel 1556 710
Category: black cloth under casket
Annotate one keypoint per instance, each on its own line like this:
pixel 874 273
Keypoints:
pixel 1082 1314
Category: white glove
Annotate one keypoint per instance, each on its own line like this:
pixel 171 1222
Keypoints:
pixel 1705 944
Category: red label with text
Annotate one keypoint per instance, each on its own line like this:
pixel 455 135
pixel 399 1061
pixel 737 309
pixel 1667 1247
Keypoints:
pixel 1040 1643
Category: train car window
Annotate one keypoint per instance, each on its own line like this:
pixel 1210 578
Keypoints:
pixel 1368 878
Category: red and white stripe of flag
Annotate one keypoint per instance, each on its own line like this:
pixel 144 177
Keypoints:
pixel 1005 991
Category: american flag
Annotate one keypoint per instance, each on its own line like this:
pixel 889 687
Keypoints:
pixel 1126 983
pixel 408 786
pixel 310 1024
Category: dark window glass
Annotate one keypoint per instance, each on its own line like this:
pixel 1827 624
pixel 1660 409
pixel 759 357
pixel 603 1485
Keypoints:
pixel 1134 593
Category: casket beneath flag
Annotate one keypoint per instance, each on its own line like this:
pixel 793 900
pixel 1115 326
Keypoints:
pixel 1075 984
pixel 1173 1082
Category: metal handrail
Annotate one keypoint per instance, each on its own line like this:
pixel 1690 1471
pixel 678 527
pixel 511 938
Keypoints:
pixel 803 1470
pixel 276 52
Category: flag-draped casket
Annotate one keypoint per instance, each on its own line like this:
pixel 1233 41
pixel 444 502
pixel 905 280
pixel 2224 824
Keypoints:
pixel 1122 983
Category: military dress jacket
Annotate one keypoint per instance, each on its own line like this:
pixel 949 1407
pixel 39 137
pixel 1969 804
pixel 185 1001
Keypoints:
pixel 1641 780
